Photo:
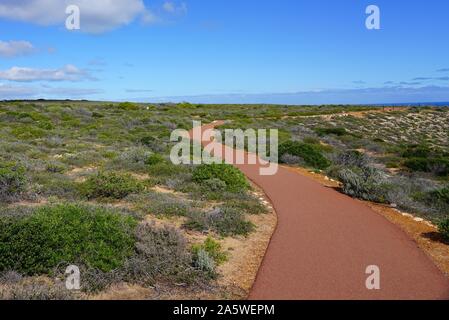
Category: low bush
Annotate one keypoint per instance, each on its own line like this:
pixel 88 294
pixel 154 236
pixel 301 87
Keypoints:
pixel 12 180
pixel 437 166
pixel 110 185
pixel 438 199
pixel 309 153
pixel 162 204
pixel 250 205
pixel 225 221
pixel 443 228
pixel 65 234
pixel 128 106
pixel 229 222
pixel 352 158
pixel 233 178
pixel 204 262
pixel 36 289
pixel 366 183
pixel 165 169
pixel 160 253
pixel 213 248
pixel 335 131
pixel 154 159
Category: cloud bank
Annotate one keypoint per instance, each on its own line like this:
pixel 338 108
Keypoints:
pixel 96 16
pixel 9 49
pixel 379 95
pixel 66 73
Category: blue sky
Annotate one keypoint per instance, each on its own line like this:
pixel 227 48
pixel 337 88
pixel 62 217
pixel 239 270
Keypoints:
pixel 240 51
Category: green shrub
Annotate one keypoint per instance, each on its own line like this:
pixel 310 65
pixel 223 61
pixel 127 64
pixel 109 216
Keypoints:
pixel 213 248
pixel 12 180
pixel 154 159
pixel 438 199
pixel 443 228
pixel 417 151
pixel 67 234
pixel 233 178
pixel 128 106
pixel 335 131
pixel 165 169
pixel 249 206
pixel 204 262
pixel 162 204
pixel 352 158
pixel 311 154
pixel 438 166
pixel 366 183
pixel 110 185
pixel 229 222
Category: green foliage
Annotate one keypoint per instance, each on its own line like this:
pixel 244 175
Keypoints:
pixel 12 180
pixel 225 221
pixel 67 234
pixel 165 169
pixel 443 228
pixel 154 159
pixel 422 158
pixel 366 183
pixel 213 248
pixel 229 222
pixel 28 132
pixel 233 178
pixel 438 166
pixel 311 154
pixel 128 106
pixel 113 185
pixel 417 151
pixel 438 199
pixel 162 204
pixel 334 131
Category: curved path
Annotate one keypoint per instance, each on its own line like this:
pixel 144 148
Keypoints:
pixel 324 242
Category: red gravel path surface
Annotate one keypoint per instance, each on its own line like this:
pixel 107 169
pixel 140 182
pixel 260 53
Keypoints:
pixel 324 241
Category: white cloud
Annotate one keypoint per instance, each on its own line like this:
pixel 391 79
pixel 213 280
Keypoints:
pixel 11 92
pixel 173 8
pixel 66 73
pixel 8 91
pixel 169 6
pixel 96 16
pixel 11 49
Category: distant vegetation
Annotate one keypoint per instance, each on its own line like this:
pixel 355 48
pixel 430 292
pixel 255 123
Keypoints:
pixel 91 183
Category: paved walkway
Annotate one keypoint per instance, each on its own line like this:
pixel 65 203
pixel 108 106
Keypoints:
pixel 324 242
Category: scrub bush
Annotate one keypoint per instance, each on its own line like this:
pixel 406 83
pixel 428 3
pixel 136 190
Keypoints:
pixel 233 178
pixel 111 185
pixel 65 234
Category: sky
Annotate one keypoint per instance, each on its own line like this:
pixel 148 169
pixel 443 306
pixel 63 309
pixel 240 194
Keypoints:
pixel 226 51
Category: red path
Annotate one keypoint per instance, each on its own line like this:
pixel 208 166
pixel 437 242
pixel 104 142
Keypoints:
pixel 324 242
